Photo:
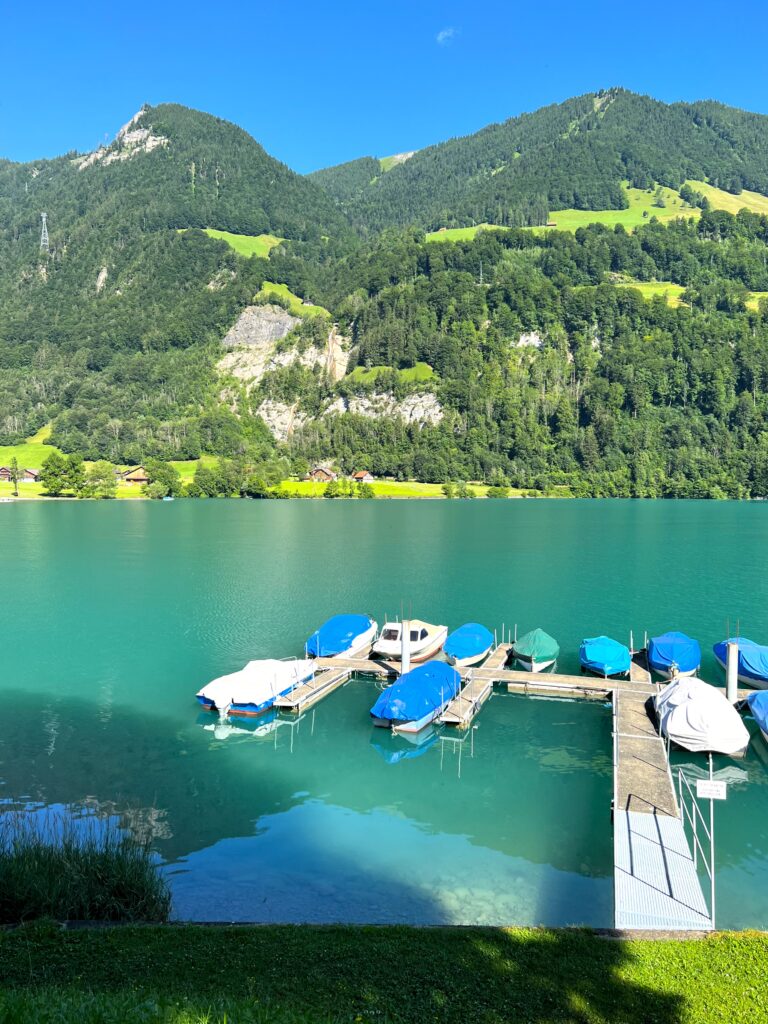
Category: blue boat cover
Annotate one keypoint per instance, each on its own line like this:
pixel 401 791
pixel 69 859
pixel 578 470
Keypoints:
pixel 758 705
pixel 337 634
pixel 468 640
pixel 753 658
pixel 420 691
pixel 605 656
pixel 674 649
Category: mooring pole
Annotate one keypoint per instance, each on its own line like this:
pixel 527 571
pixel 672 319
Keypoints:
pixel 732 671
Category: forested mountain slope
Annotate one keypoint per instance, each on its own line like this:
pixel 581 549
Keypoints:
pixel 570 155
pixel 113 334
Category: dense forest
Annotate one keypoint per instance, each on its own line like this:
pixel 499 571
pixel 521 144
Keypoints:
pixel 544 365
pixel 570 155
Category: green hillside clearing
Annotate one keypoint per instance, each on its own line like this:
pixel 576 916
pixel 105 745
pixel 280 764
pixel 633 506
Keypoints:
pixel 247 245
pixel 413 374
pixel 298 307
pixel 720 200
pixel 641 209
pixel 652 289
pixel 460 234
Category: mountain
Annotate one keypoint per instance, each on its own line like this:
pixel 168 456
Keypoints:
pixel 113 335
pixel 569 155
pixel 198 297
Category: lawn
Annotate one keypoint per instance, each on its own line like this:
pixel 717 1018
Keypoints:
pixel 298 307
pixel 247 245
pixel 388 489
pixel 308 974
pixel 720 200
pixel 413 374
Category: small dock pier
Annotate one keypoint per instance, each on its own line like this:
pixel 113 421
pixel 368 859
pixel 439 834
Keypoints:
pixel 330 674
pixel 656 882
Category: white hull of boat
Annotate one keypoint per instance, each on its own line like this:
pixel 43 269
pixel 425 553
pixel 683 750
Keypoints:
pixel 666 674
pixel 756 684
pixel 475 659
pixel 534 666
pixel 421 723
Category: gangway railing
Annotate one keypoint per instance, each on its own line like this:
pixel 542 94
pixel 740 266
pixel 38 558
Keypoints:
pixel 692 816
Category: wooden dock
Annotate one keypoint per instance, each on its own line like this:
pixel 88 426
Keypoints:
pixel 656 885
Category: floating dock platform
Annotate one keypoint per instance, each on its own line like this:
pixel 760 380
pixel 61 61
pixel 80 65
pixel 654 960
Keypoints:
pixel 656 882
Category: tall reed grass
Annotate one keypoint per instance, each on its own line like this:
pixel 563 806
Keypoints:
pixel 76 868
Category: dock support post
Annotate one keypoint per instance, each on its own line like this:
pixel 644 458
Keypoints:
pixel 405 646
pixel 732 672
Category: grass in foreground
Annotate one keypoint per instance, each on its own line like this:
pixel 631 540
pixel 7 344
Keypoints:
pixel 298 307
pixel 289 975
pixel 247 245
pixel 76 869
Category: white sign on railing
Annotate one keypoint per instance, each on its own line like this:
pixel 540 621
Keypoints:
pixel 709 789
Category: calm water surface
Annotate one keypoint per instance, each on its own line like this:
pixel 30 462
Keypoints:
pixel 115 614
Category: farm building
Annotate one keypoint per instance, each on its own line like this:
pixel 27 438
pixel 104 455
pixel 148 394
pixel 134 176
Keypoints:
pixel 321 475
pixel 137 475
pixel 362 477
pixel 30 476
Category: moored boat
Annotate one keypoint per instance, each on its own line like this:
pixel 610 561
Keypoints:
pixel 753 660
pixel 342 636
pixel 698 717
pixel 758 706
pixel 673 650
pixel 254 689
pixel 603 656
pixel 468 645
pixel 417 698
pixel 535 651
pixel 424 640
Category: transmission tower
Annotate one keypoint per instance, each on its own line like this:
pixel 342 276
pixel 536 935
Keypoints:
pixel 44 246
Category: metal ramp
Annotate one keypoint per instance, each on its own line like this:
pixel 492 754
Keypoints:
pixel 656 883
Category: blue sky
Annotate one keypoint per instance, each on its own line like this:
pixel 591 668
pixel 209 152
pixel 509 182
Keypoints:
pixel 319 83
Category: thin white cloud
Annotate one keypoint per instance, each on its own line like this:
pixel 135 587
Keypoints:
pixel 445 35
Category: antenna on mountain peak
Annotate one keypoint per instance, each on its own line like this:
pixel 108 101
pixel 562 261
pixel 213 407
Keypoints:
pixel 44 246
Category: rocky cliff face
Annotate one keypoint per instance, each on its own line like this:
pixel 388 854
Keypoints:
pixel 421 409
pixel 254 350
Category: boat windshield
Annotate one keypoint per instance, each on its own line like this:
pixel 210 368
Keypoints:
pixel 415 634
pixel 390 634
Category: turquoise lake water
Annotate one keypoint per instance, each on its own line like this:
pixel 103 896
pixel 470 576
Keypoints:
pixel 115 614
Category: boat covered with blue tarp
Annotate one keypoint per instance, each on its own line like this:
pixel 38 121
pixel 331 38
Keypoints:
pixel 342 635
pixel 753 660
pixel 417 698
pixel 468 645
pixel 604 656
pixel 758 705
pixel 674 648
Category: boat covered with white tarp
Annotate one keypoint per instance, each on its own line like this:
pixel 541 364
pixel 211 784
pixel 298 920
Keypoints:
pixel 698 717
pixel 254 689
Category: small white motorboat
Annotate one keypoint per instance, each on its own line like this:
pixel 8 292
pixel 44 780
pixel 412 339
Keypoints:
pixel 254 689
pixel 698 717
pixel 424 640
pixel 468 645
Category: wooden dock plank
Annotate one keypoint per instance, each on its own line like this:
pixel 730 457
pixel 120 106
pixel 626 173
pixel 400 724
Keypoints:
pixel 306 694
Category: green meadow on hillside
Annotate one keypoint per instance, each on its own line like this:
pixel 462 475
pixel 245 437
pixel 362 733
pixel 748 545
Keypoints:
pixel 720 200
pixel 247 245
pixel 297 306
pixel 413 374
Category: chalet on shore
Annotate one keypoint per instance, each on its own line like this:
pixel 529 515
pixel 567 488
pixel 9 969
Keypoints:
pixel 27 476
pixel 363 477
pixel 321 475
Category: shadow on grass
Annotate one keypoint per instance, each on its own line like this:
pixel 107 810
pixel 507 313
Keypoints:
pixel 288 973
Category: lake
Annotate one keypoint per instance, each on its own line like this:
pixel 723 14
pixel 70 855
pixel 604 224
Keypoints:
pixel 115 614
